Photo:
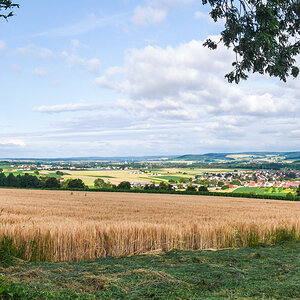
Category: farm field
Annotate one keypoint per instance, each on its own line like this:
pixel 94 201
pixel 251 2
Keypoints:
pixel 266 191
pixel 117 176
pixel 75 226
pixel 250 273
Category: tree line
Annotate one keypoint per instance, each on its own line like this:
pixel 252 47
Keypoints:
pixel 125 185
pixel 32 181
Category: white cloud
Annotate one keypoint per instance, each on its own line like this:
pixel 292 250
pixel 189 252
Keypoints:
pixel 148 15
pixel 16 68
pixel 193 77
pixel 12 143
pixel 67 107
pixel 155 11
pixel 184 89
pixel 76 44
pixel 40 72
pixel 92 65
pixel 154 72
pixel 2 46
pixel 34 51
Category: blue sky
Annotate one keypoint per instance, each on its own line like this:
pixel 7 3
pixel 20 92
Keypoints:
pixel 125 77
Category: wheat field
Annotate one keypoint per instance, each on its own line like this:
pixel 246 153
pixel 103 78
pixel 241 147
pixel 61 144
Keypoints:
pixel 76 226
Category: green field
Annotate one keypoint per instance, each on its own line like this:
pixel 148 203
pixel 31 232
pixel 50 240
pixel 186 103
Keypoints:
pixel 253 273
pixel 5 167
pixel 266 191
pixel 52 175
pixel 175 178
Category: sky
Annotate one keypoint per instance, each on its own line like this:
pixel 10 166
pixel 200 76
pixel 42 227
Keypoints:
pixel 132 78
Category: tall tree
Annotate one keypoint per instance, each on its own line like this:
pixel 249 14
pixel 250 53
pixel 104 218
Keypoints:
pixel 264 34
pixel 6 8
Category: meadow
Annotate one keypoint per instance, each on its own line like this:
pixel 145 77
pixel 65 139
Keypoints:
pixel 41 225
pixel 275 191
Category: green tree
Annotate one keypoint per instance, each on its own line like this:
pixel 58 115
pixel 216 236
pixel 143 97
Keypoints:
pixel 191 188
pixel 6 8
pixel 52 182
pixel 165 186
pixel 298 191
pixel 74 184
pixel 36 172
pixel 11 180
pixel 225 187
pixel 2 179
pixel 101 184
pixel 290 175
pixel 152 186
pixel 202 188
pixel 236 182
pixel 124 185
pixel 290 195
pixel 264 34
pixel 28 181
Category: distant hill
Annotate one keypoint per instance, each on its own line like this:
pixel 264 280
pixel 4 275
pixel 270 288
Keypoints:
pixel 94 158
pixel 242 157
pixel 209 157
pixel 292 155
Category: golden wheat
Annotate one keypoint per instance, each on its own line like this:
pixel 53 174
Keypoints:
pixel 75 226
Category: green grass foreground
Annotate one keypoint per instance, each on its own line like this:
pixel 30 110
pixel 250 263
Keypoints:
pixel 267 272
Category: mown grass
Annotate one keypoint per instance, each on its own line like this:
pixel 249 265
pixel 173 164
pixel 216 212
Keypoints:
pixel 263 272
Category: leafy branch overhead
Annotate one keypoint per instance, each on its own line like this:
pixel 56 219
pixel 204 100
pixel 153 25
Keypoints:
pixel 6 8
pixel 264 34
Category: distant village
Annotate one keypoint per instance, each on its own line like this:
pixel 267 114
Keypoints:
pixel 233 180
pixel 261 179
